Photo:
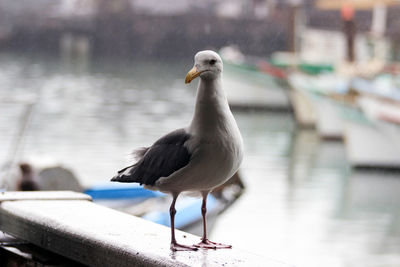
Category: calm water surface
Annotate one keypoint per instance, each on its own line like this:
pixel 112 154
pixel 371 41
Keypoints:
pixel 302 203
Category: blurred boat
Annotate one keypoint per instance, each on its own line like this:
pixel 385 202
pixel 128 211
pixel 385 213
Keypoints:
pixel 384 87
pixel 374 140
pixel 253 83
pixel 288 61
pixel 150 205
pixel 319 101
pixel 368 147
pixel 329 122
pixel 303 108
pixel 232 56
pixel 153 205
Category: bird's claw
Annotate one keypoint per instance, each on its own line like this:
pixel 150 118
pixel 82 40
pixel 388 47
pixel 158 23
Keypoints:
pixel 179 247
pixel 205 243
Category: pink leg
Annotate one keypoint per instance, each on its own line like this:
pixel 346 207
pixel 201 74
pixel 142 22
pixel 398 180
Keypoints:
pixel 175 246
pixel 205 243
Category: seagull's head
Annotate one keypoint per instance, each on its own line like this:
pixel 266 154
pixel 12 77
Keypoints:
pixel 207 65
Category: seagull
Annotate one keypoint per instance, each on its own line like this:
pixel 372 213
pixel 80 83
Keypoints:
pixel 197 158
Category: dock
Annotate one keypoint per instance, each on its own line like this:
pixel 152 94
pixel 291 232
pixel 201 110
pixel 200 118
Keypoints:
pixel 69 224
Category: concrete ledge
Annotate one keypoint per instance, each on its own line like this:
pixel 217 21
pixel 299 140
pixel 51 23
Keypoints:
pixel 43 195
pixel 98 236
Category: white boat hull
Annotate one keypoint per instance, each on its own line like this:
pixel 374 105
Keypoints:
pixel 367 146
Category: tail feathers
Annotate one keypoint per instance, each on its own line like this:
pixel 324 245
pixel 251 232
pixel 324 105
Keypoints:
pixel 126 176
pixel 137 154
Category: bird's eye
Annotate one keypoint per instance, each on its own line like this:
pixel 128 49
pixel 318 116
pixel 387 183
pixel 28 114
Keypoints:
pixel 212 61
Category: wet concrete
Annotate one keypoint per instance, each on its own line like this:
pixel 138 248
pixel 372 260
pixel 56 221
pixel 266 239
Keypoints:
pixel 97 236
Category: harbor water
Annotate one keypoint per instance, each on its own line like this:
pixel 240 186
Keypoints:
pixel 303 204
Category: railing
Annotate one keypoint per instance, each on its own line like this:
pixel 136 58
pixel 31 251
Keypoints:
pixel 71 225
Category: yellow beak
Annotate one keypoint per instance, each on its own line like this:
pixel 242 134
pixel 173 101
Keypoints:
pixel 192 74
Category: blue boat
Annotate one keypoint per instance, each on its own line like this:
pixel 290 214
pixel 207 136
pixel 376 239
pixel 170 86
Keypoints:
pixel 153 206
pixel 120 191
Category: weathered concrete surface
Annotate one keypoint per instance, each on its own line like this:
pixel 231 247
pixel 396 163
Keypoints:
pixel 99 236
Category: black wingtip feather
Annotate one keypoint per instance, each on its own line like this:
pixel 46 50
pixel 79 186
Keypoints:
pixel 165 156
pixel 125 175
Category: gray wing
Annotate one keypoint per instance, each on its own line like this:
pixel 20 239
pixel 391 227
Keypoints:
pixel 163 158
